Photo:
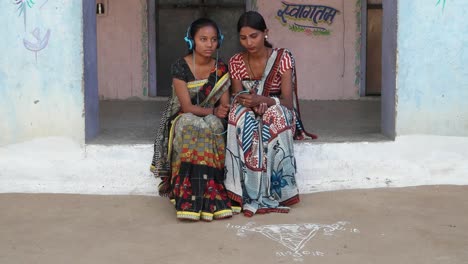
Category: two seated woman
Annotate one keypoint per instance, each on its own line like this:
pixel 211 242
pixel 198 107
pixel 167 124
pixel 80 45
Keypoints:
pixel 206 172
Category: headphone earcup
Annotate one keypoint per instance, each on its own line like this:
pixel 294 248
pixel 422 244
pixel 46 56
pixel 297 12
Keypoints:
pixel 189 43
pixel 220 39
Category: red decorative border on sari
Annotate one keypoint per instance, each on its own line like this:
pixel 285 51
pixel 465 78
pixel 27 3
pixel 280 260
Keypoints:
pixel 293 200
pixel 235 197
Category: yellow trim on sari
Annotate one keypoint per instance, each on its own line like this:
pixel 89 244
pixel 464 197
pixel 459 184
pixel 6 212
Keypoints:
pixel 196 84
pixel 217 86
pixel 223 214
pixel 188 215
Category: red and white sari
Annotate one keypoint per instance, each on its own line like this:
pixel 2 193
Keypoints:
pixel 260 164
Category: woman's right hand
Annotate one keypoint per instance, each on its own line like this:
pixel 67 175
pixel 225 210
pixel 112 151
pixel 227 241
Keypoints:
pixel 221 110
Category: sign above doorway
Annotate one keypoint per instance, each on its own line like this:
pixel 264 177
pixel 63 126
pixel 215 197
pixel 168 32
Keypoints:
pixel 312 20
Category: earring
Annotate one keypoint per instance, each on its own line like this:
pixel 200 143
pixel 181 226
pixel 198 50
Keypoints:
pixel 266 37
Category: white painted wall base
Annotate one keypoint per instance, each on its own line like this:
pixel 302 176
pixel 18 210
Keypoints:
pixel 58 165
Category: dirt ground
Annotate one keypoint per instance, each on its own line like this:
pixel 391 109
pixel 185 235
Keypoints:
pixel 399 225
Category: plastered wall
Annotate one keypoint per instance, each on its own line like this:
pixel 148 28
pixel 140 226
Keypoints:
pixel 41 70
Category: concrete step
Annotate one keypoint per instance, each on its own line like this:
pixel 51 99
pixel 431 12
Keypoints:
pixel 59 165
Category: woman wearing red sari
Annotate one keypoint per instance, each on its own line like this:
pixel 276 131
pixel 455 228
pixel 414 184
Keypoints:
pixel 264 120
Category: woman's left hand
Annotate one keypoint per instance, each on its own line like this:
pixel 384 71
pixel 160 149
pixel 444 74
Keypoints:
pixel 260 109
pixel 250 100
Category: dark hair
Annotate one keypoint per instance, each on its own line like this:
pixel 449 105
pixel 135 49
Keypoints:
pixel 254 20
pixel 200 23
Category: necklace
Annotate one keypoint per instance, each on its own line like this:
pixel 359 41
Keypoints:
pixel 250 68
pixel 195 70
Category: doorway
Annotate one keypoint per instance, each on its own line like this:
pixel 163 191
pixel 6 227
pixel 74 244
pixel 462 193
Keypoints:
pixel 374 50
pixel 172 21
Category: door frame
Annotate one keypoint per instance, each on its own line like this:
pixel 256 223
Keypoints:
pixel 363 57
pixel 152 65
pixel 90 73
pixel 389 70
pixel 389 67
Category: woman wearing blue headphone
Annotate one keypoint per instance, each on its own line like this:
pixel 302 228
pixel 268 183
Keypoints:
pixel 190 146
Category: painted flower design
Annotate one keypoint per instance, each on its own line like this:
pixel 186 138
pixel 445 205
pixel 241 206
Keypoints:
pixel 22 5
pixel 277 182
pixel 443 3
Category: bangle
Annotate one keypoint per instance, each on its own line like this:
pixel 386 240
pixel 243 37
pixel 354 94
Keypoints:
pixel 277 101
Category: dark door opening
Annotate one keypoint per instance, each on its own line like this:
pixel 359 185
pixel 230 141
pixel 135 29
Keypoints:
pixel 374 50
pixel 172 21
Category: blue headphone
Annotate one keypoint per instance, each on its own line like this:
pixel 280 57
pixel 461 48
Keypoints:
pixel 191 43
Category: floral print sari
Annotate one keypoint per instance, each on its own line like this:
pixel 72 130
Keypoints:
pixel 189 150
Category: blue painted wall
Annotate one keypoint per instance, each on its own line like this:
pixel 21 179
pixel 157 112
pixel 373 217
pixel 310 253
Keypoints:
pixel 41 70
pixel 432 78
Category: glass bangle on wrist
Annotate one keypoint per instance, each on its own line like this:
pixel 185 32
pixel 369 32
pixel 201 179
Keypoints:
pixel 277 101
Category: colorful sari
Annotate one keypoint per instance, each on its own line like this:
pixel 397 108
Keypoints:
pixel 189 150
pixel 260 163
